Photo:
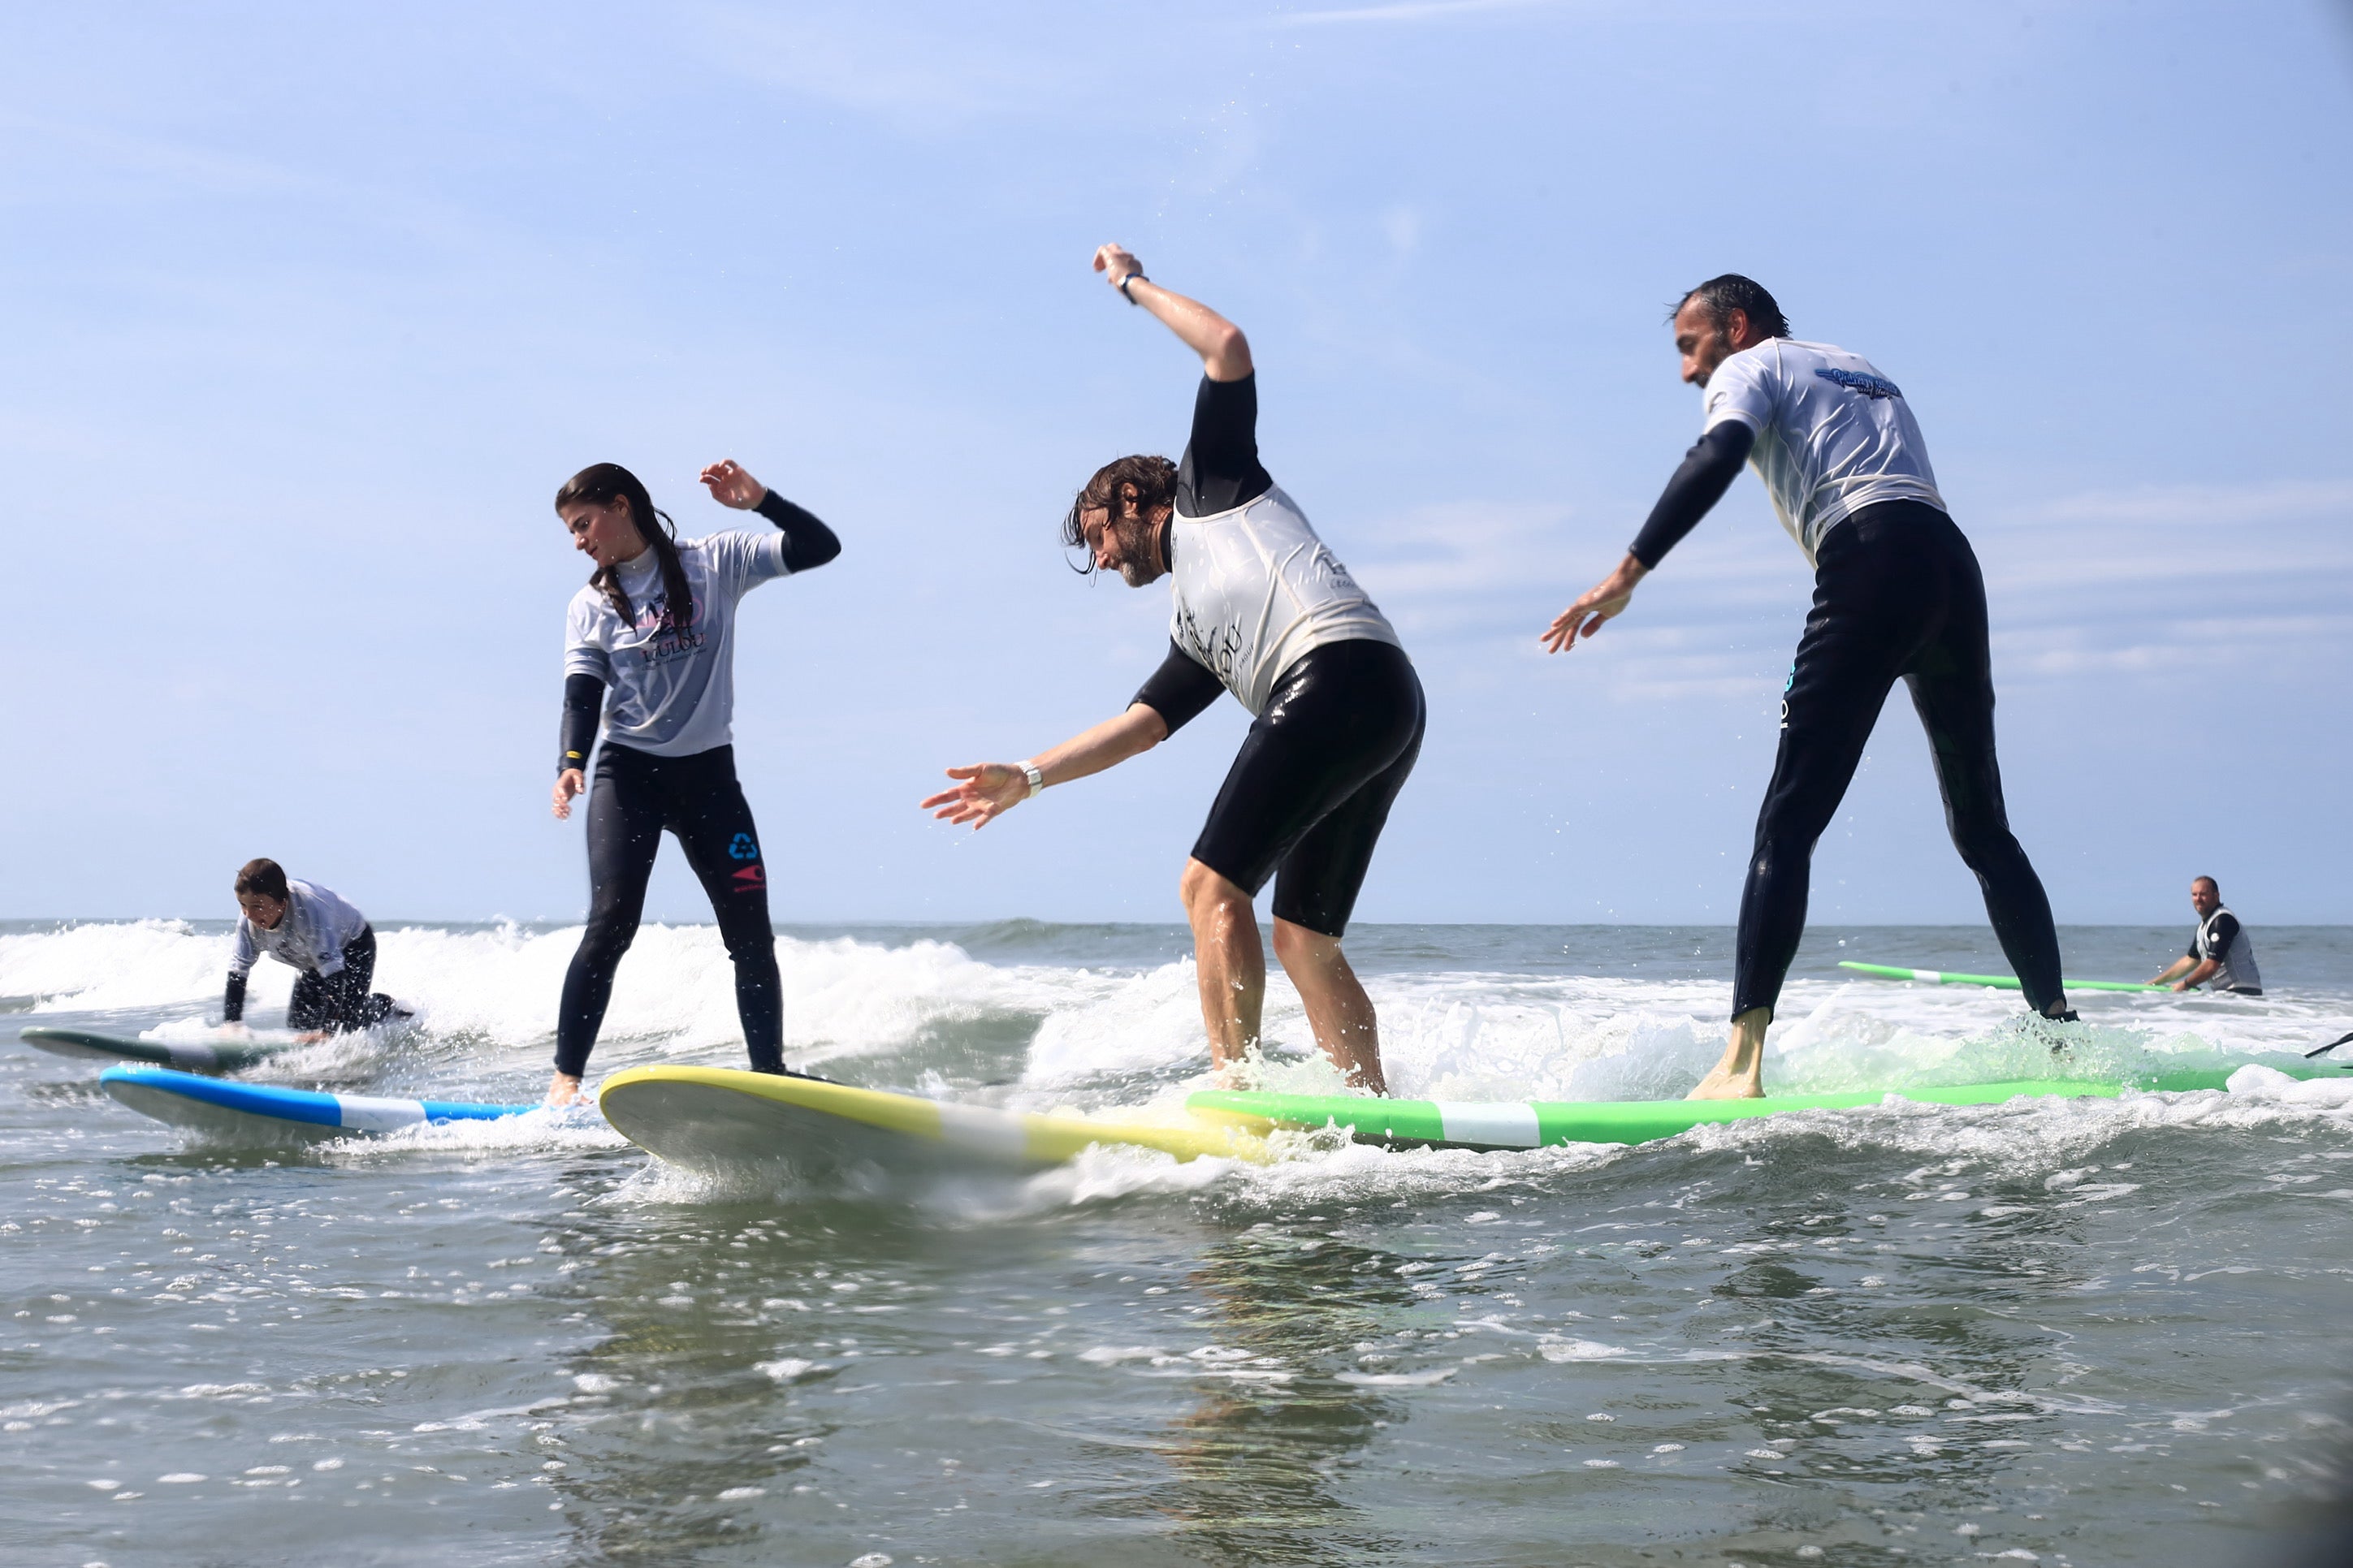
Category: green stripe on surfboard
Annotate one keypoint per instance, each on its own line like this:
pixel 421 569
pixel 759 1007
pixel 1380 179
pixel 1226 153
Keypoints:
pixel 1515 1124
pixel 2002 982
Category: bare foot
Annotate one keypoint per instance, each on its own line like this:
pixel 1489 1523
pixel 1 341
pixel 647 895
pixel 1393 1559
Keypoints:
pixel 1740 1075
pixel 1721 1083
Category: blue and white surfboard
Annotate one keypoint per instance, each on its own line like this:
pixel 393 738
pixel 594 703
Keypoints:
pixel 215 1105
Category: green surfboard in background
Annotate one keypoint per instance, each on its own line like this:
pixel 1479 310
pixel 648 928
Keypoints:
pixel 2001 982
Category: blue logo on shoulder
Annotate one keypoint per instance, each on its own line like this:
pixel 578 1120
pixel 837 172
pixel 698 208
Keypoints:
pixel 1858 381
pixel 740 848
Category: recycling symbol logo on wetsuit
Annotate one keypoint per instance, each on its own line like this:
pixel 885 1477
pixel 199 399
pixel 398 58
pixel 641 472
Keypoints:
pixel 742 847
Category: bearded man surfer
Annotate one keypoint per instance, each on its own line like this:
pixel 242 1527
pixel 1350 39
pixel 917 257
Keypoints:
pixel 1264 610
pixel 1897 595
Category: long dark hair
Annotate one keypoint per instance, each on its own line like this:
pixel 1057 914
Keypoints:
pixel 602 484
pixel 1154 479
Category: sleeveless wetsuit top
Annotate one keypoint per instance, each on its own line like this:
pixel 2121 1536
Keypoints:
pixel 1254 589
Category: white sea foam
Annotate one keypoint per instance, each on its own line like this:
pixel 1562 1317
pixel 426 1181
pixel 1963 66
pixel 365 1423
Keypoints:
pixel 1093 1031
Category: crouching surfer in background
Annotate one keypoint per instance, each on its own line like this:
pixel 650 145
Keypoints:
pixel 655 628
pixel 1263 610
pixel 317 933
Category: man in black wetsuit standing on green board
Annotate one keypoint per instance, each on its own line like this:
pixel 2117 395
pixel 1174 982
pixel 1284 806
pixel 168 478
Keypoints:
pixel 1897 595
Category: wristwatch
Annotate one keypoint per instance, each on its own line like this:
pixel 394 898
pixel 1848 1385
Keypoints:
pixel 1037 778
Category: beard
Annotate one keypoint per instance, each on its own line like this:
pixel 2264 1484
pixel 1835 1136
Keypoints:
pixel 1139 554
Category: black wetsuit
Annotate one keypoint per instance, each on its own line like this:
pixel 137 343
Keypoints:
pixel 636 796
pixel 1897 596
pixel 1310 791
pixel 340 1002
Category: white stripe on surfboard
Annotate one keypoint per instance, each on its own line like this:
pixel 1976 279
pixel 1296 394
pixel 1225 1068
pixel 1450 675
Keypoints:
pixel 369 1113
pixel 1499 1123
pixel 983 1131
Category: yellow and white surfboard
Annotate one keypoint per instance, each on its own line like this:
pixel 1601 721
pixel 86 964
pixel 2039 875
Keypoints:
pixel 723 1121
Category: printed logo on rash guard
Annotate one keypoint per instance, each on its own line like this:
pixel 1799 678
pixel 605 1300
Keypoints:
pixel 664 641
pixel 740 848
pixel 1872 386
pixel 748 881
pixel 1219 652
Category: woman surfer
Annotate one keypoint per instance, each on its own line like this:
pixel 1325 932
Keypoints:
pixel 650 643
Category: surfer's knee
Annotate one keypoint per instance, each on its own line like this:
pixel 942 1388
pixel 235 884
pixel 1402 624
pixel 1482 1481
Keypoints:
pixel 1296 945
pixel 1208 891
pixel 1984 843
pixel 610 932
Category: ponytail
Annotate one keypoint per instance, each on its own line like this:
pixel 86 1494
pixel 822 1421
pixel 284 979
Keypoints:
pixel 602 484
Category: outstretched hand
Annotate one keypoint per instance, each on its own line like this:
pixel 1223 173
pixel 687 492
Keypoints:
pixel 1598 603
pixel 732 484
pixel 984 791
pixel 1116 263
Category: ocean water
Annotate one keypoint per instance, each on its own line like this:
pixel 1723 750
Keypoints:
pixel 2069 1332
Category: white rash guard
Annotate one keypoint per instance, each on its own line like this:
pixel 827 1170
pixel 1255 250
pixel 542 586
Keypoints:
pixel 310 935
pixel 671 695
pixel 1254 588
pixel 1834 435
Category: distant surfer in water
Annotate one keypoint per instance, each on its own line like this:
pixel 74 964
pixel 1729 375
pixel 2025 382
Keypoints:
pixel 320 934
pixel 1897 595
pixel 1264 610
pixel 649 648
pixel 2220 955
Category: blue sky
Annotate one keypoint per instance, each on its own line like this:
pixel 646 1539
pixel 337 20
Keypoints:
pixel 308 313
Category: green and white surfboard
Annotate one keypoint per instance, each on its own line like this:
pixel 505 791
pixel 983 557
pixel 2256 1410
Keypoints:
pixel 1533 1124
pixel 1998 982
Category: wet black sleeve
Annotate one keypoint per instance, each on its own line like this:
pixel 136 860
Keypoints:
pixel 1708 470
pixel 1220 469
pixel 583 703
pixel 807 542
pixel 233 1002
pixel 1179 690
pixel 2226 931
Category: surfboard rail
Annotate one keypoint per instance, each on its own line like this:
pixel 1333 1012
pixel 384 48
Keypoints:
pixel 1534 1124
pixel 190 1099
pixel 187 1056
pixel 707 1117
pixel 1998 982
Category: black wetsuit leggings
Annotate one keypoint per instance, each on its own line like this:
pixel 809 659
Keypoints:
pixel 340 1002
pixel 1897 595
pixel 636 796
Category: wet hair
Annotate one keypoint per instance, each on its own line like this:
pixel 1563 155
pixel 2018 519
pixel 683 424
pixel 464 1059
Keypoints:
pixel 602 484
pixel 1720 296
pixel 2209 882
pixel 264 877
pixel 1154 479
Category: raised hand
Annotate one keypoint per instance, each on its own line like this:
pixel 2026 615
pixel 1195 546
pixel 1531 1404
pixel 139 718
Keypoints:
pixel 984 791
pixel 730 485
pixel 1115 263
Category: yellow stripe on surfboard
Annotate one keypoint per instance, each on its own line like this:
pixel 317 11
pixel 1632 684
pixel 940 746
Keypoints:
pixel 1013 1137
